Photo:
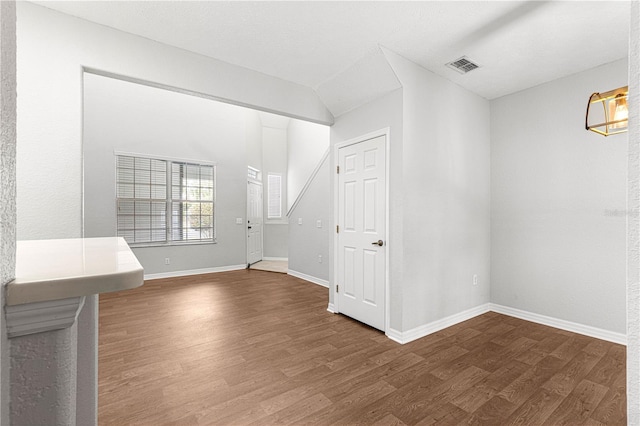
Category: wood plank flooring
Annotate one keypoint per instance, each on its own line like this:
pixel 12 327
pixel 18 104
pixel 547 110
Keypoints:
pixel 253 347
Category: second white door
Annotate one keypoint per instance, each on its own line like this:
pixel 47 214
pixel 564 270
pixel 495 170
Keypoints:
pixel 361 268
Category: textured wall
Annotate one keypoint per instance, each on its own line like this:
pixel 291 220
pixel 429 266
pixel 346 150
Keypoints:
pixel 633 223
pixel 7 183
pixel 43 378
pixel 87 381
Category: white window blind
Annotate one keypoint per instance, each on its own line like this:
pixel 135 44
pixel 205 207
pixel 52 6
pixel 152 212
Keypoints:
pixel 274 196
pixel 164 202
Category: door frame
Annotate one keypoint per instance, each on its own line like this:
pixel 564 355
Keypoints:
pixel 386 132
pixel 246 219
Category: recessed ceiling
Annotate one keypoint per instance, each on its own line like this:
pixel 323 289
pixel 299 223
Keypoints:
pixel 519 44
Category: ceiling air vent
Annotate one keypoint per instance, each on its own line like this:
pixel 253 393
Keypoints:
pixel 463 65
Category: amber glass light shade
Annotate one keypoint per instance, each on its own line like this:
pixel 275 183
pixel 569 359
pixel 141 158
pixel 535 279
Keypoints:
pixel 609 111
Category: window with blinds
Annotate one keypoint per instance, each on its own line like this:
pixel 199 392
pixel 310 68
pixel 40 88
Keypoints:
pixel 191 202
pixel 164 202
pixel 274 196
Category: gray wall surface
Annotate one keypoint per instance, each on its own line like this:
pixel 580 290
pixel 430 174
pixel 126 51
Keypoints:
pixel 274 160
pixel 53 49
pixel 306 240
pixel 43 378
pixel 558 203
pixel 276 240
pixel 123 116
pixel 253 129
pixel 7 184
pixel 306 144
pixel 446 201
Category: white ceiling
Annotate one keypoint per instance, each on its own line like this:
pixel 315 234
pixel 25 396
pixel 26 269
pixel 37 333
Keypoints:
pixel 519 44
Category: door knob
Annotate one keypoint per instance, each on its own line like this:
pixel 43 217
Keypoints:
pixel 378 243
pixel 249 227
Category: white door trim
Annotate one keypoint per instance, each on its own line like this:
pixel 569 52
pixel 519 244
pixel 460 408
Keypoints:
pixel 386 132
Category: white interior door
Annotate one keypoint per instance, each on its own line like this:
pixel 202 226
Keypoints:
pixel 361 231
pixel 254 222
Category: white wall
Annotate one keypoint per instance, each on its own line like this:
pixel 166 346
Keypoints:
pixel 7 184
pixel 253 130
pixel 381 113
pixel 633 223
pixel 307 241
pixel 128 117
pixel 368 79
pixel 276 240
pixel 274 160
pixel 53 48
pixel 556 249
pixel 306 144
pixel 445 187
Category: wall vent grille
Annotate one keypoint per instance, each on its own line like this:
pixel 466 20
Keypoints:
pixel 463 65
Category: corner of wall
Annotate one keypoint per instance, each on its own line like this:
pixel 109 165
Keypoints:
pixel 8 184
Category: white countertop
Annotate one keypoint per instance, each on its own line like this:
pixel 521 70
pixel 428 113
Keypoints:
pixel 59 269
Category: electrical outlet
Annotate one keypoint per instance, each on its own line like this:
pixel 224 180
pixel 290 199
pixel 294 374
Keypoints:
pixel 238 221
pixel 318 223
pixel 319 258
pixel 299 221
pixel 475 279
pixel 167 261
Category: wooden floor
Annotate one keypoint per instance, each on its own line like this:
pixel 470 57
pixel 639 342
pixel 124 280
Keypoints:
pixel 257 347
pixel 281 266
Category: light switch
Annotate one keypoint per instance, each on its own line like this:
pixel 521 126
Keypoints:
pixel 318 223
pixel 299 221
pixel 238 221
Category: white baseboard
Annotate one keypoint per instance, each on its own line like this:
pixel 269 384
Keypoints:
pixel 285 259
pixel 395 335
pixel 319 281
pixel 175 274
pixel 574 327
pixel 426 329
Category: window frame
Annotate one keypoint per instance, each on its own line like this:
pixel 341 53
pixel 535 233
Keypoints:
pixel 168 199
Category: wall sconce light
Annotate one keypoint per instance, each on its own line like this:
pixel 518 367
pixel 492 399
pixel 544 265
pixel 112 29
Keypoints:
pixel 613 117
